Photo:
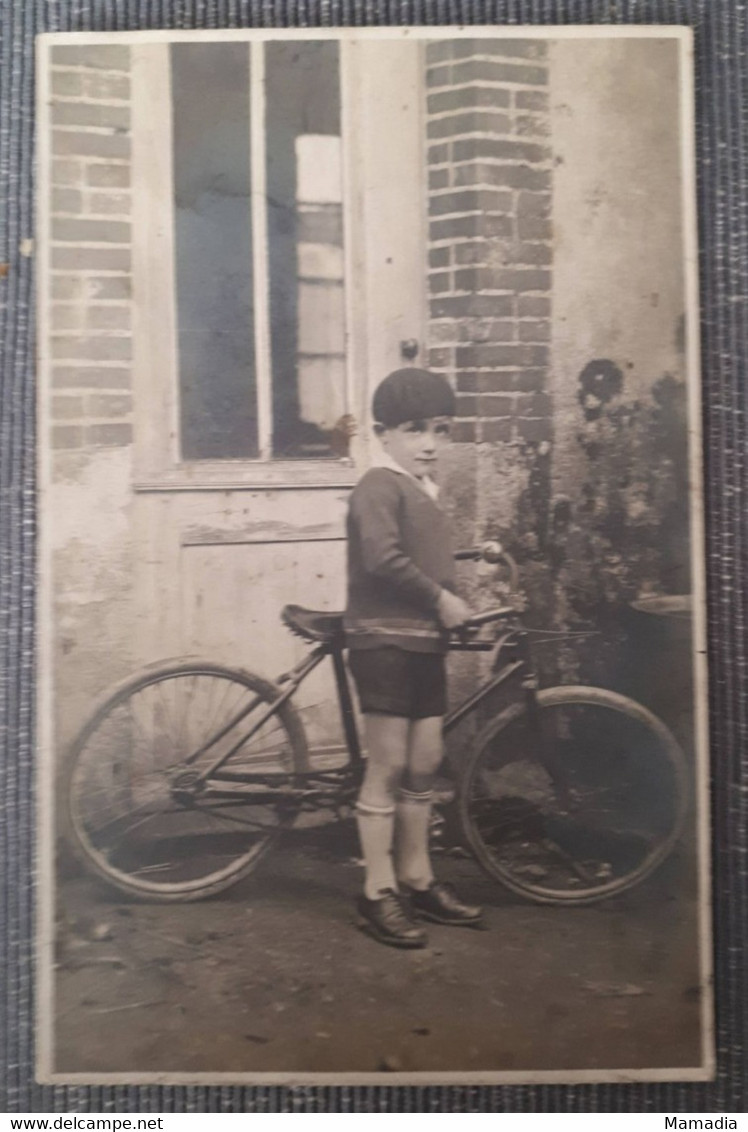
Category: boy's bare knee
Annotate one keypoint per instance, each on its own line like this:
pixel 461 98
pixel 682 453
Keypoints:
pixel 426 753
pixel 386 738
pixel 396 778
pixel 389 772
pixel 419 782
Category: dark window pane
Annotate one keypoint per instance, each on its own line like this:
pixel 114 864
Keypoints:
pixel 305 249
pixel 213 250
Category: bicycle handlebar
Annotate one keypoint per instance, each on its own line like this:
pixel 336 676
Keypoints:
pixel 493 553
pixel 488 551
pixel 488 616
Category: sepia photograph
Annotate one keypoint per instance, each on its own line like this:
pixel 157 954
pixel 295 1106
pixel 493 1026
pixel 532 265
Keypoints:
pixel 372 714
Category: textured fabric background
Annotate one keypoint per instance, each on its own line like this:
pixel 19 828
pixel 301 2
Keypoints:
pixel 721 28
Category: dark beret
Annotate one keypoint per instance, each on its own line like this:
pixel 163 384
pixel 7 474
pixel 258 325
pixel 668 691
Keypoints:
pixel 410 395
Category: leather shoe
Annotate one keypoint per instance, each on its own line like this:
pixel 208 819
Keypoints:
pixel 440 903
pixel 388 920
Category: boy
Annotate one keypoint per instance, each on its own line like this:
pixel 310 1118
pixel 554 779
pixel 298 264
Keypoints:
pixel 401 606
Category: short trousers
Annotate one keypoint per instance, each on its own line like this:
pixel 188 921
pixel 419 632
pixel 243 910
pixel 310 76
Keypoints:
pixel 393 681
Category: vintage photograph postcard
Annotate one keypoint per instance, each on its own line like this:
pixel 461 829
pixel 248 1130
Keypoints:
pixel 371 622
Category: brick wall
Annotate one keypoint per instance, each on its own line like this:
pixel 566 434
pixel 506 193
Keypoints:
pixel 489 233
pixel 490 260
pixel 87 509
pixel 91 343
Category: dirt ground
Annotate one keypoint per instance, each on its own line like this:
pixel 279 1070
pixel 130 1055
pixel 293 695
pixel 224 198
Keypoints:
pixel 274 976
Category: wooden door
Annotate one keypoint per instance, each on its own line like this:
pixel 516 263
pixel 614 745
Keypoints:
pixel 279 268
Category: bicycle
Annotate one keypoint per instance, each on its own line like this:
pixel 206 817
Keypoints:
pixel 188 771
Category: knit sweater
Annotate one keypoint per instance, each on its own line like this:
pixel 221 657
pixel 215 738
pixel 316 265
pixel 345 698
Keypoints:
pixel 399 560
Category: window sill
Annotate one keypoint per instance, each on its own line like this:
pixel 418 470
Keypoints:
pixel 246 475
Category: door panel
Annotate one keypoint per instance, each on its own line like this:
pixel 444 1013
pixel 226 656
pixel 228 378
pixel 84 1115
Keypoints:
pixel 232 596
pixel 390 96
pixel 228 542
pixel 220 569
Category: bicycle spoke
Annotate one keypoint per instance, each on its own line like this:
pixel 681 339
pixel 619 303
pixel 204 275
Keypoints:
pixel 185 707
pixel 130 784
pixel 149 870
pixel 142 781
pixel 131 813
pixel 577 868
pixel 138 825
pixel 585 802
pixel 134 719
pixel 180 705
pixel 212 727
pixel 218 814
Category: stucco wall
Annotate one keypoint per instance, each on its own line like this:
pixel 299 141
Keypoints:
pixel 620 523
pixel 597 512
pixel 88 510
pixel 618 512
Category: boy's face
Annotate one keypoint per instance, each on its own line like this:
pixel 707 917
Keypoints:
pixel 416 445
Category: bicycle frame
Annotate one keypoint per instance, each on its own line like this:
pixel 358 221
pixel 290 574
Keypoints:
pixel 516 668
pixel 493 809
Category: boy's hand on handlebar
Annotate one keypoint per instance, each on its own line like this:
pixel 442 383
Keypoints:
pixel 452 610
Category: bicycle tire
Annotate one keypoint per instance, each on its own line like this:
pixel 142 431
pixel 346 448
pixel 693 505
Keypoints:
pixel 98 752
pixel 522 832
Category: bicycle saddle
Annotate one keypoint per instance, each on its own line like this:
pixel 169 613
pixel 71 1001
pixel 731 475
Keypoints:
pixel 313 625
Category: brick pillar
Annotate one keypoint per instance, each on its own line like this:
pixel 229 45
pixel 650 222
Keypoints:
pixel 490 257
pixel 91 345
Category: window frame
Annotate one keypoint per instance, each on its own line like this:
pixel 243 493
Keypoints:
pixel 158 461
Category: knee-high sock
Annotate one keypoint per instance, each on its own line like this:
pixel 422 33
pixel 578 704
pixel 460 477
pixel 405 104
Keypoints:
pixel 376 825
pixel 412 821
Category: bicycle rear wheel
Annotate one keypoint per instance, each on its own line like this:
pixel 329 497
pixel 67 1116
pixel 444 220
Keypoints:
pixel 583 804
pixel 134 812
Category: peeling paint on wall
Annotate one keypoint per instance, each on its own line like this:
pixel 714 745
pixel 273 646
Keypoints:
pixel 89 518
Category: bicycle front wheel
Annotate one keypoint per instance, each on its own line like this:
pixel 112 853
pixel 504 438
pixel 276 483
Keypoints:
pixel 577 801
pixel 136 811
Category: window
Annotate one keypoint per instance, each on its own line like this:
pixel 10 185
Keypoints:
pixel 258 250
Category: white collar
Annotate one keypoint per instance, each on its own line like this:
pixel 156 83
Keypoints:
pixel 427 485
